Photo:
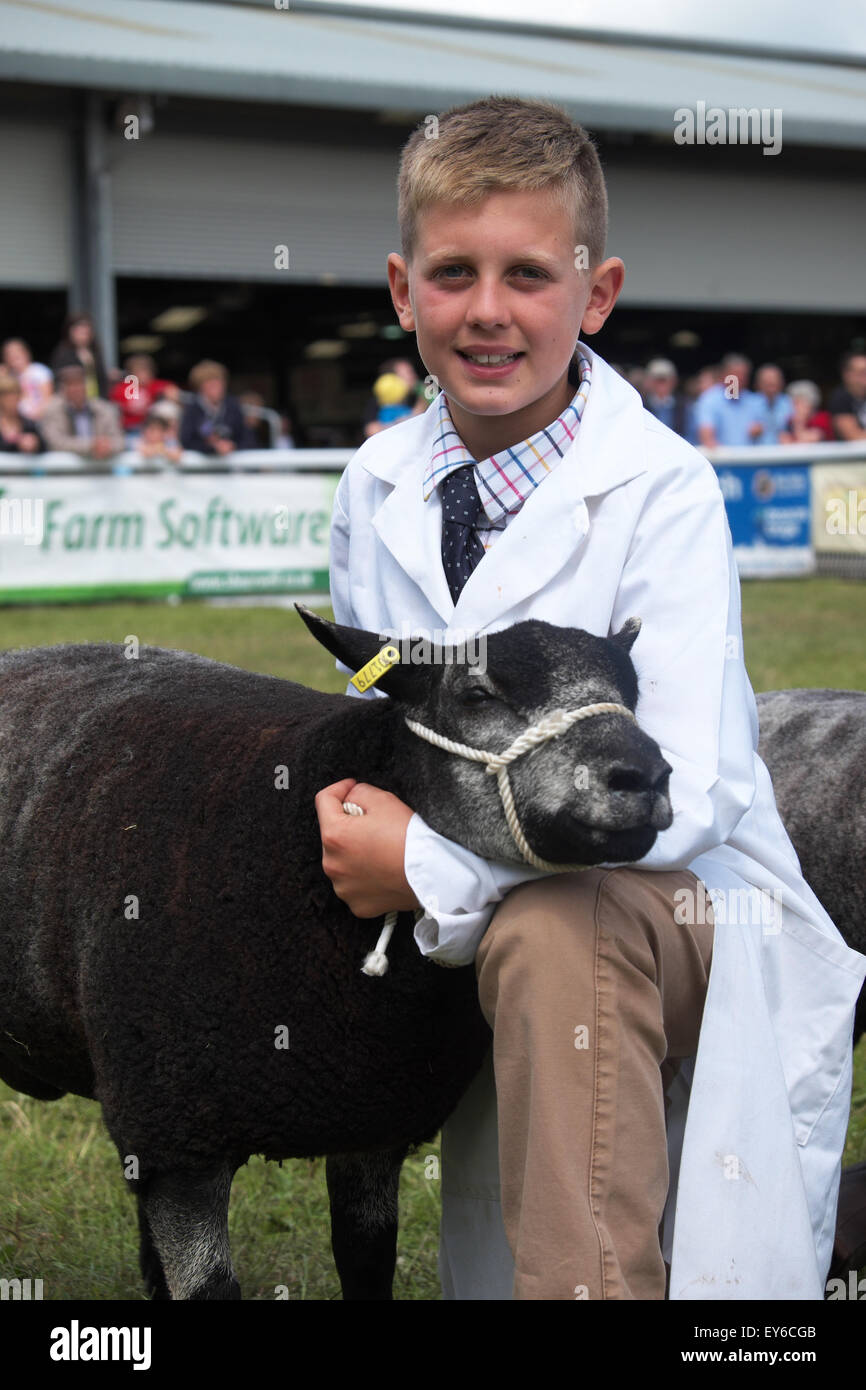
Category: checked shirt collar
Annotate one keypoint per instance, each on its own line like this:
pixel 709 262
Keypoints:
pixel 506 479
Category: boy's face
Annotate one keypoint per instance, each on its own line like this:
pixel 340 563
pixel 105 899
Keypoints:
pixel 500 278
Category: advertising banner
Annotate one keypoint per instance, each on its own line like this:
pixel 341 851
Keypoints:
pixel 769 513
pixel 67 538
pixel 839 508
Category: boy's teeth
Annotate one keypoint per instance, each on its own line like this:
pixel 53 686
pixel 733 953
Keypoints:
pixel 486 357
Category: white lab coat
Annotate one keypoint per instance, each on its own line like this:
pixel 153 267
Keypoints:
pixel 632 522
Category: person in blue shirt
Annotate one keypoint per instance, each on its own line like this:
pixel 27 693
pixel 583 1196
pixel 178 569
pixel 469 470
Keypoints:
pixel 665 402
pixel 775 407
pixel 728 413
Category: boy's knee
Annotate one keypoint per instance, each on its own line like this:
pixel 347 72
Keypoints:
pixel 547 923
pixel 541 923
pixel 668 911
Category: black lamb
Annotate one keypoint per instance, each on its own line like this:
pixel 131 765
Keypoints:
pixel 171 947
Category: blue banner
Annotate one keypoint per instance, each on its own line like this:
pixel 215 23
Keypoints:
pixel 769 513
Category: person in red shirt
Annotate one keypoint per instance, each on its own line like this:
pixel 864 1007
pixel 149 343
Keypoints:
pixel 809 423
pixel 138 390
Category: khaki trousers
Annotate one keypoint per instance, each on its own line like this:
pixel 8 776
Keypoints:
pixel 594 987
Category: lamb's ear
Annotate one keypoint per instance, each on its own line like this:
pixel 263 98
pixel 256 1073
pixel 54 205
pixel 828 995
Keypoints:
pixel 627 634
pixel 350 645
pixel 408 680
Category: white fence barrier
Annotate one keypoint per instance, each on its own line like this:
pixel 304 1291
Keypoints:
pixel 257 522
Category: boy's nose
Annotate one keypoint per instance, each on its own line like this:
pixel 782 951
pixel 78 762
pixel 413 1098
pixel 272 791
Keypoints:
pixel 487 304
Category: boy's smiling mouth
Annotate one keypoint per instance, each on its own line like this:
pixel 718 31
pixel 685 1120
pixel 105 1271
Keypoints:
pixel 489 362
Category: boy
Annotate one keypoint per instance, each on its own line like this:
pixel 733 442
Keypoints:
pixel 536 485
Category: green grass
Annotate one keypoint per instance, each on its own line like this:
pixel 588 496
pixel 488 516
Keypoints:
pixel 272 640
pixel 797 632
pixel 65 1216
pixel 807 632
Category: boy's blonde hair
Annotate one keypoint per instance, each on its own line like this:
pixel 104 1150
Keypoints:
pixel 503 143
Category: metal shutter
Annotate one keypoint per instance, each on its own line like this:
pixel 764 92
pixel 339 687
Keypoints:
pixel 216 208
pixel 727 241
pixel 35 208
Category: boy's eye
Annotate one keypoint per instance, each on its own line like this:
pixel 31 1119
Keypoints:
pixel 534 272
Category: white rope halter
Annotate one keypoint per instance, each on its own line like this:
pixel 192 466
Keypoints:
pixel 548 727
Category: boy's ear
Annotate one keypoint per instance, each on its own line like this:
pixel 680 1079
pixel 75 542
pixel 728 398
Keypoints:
pixel 407 680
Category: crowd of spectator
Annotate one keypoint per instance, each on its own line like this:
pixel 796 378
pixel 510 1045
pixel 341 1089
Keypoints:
pixel 718 407
pixel 714 408
pixel 76 404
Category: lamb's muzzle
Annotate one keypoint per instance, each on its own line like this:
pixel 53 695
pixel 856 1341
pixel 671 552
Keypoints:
pixel 549 726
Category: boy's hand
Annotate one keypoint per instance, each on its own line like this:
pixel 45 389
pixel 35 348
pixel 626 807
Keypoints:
pixel 363 855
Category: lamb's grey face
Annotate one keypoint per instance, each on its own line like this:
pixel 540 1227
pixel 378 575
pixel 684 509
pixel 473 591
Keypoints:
pixel 597 793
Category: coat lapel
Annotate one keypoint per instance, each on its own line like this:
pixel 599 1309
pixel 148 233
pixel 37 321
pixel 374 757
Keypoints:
pixel 409 527
pixel 608 450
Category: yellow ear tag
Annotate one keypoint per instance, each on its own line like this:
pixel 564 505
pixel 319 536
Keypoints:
pixel 375 669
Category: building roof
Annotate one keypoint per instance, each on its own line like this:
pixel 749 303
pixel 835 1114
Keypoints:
pixel 414 67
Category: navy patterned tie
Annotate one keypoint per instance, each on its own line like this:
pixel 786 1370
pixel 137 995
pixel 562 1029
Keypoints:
pixel 461 548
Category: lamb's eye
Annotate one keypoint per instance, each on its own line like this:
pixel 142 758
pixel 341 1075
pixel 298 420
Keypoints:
pixel 477 695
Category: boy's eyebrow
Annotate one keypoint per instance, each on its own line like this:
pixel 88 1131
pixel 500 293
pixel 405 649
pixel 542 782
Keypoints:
pixel 451 253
